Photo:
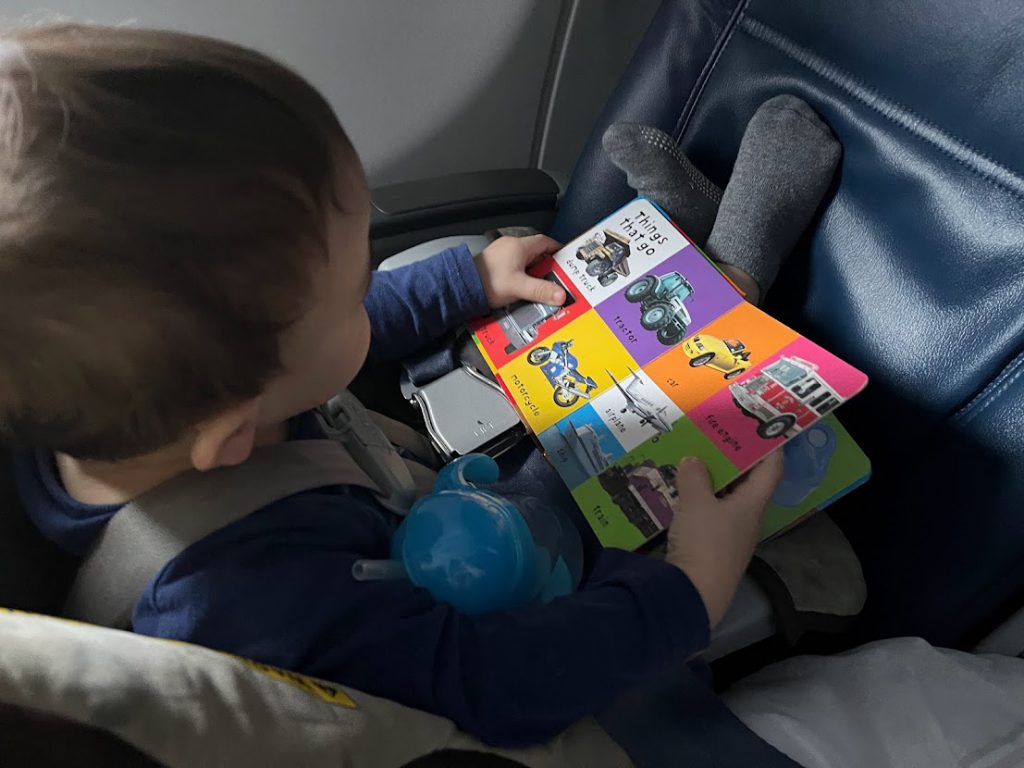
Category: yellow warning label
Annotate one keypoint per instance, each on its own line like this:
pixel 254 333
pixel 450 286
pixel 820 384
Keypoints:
pixel 318 688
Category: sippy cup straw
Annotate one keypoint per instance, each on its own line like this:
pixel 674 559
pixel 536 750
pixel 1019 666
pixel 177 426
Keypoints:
pixel 378 570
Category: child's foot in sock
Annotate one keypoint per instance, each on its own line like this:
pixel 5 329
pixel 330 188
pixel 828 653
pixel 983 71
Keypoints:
pixel 656 168
pixel 786 161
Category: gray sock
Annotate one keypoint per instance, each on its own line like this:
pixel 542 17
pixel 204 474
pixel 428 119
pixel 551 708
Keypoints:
pixel 656 168
pixel 786 161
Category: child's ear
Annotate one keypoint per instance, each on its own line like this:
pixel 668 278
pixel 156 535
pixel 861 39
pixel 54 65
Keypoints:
pixel 226 439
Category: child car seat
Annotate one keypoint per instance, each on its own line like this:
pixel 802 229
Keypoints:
pixel 136 699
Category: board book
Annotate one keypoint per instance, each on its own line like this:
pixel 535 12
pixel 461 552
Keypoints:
pixel 655 355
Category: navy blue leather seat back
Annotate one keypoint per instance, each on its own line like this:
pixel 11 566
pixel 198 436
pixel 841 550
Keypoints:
pixel 915 271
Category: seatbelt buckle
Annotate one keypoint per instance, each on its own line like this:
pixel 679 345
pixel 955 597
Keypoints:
pixel 465 412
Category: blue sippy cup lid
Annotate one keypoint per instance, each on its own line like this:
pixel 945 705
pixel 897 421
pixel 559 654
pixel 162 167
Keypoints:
pixel 467 546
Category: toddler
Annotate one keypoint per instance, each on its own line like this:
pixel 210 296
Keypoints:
pixel 184 275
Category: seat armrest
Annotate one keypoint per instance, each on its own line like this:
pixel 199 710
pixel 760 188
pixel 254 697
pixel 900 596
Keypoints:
pixel 475 243
pixel 458 197
pixel 406 214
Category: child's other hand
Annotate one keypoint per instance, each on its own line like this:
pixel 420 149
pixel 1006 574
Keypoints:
pixel 502 267
pixel 712 539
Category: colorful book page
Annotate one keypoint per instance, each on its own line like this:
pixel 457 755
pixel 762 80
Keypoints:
pixel 656 355
pixel 822 464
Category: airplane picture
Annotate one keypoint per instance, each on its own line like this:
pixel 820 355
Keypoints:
pixel 644 409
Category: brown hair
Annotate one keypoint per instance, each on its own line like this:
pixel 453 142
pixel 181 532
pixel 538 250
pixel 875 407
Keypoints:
pixel 161 199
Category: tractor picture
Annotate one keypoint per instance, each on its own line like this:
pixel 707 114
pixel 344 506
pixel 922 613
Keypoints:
pixel 662 305
pixel 784 397
pixel 606 255
pixel 729 356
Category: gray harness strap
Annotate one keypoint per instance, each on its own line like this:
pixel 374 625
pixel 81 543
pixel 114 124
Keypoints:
pixel 153 529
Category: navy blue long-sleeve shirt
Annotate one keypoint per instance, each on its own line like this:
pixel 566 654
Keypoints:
pixel 277 586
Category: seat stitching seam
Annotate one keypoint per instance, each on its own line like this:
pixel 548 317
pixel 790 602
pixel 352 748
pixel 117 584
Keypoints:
pixel 683 121
pixel 993 391
pixel 957 149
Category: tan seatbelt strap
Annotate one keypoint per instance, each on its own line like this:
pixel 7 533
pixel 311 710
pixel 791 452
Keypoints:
pixel 344 419
pixel 407 438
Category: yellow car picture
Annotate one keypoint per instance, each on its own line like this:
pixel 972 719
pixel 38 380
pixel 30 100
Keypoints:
pixel 729 356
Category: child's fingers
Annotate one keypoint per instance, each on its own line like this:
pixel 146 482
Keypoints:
pixel 757 487
pixel 538 246
pixel 539 291
pixel 693 482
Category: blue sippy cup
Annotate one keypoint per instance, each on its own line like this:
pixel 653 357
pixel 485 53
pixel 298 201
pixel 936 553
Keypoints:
pixel 480 551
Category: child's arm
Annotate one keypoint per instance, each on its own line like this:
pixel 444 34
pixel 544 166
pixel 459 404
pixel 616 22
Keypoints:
pixel 287 599
pixel 521 677
pixel 277 587
pixel 414 305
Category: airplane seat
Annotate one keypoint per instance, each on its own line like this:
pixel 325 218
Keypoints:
pixel 914 272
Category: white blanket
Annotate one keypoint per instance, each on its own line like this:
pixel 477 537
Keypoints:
pixel 891 703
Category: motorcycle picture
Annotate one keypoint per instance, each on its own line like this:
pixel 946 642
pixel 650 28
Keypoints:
pixel 560 368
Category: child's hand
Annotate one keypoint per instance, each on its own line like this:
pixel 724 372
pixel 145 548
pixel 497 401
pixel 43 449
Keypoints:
pixel 712 539
pixel 502 267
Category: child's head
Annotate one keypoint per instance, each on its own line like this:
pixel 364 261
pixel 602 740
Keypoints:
pixel 183 244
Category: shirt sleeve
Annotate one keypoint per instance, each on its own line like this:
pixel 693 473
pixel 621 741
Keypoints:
pixel 413 305
pixel 285 596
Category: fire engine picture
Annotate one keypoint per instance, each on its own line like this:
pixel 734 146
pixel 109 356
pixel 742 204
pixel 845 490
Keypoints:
pixel 606 255
pixel 785 397
pixel 645 493
pixel 520 321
